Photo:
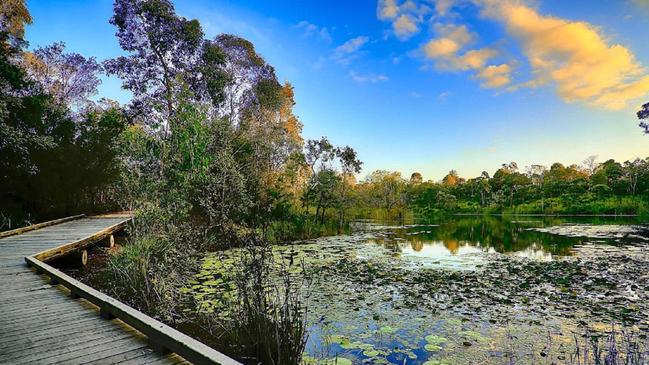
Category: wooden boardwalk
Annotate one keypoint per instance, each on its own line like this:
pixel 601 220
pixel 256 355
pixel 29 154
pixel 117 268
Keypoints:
pixel 41 324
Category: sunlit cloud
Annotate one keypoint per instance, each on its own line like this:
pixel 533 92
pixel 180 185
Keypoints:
pixel 404 16
pixel 404 26
pixel 349 50
pixel 448 51
pixel 575 57
pixel 495 76
pixel 387 9
pixel 451 40
pixel 442 7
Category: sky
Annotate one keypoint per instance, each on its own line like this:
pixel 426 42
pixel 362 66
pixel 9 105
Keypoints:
pixel 428 85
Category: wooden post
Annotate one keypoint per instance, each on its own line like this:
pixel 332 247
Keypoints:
pixel 105 313
pixel 111 241
pixel 84 258
pixel 157 347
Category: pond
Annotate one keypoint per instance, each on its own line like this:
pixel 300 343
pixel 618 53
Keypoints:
pixel 460 290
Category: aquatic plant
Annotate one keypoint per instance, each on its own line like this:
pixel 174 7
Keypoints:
pixel 271 310
pixel 617 347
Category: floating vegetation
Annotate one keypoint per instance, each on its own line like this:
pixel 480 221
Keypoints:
pixel 369 305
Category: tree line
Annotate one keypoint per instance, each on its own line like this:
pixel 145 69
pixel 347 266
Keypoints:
pixel 610 187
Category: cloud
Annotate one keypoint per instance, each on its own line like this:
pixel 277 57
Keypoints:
pixel 452 39
pixel 387 9
pixel 642 3
pixel 404 26
pixel 404 17
pixel 574 55
pixel 310 29
pixel 348 51
pixel 447 51
pixel 495 76
pixel 442 7
pixel 372 78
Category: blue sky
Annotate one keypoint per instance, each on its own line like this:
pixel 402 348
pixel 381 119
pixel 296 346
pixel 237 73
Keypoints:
pixel 395 79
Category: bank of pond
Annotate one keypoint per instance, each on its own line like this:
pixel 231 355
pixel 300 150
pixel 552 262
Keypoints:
pixel 456 290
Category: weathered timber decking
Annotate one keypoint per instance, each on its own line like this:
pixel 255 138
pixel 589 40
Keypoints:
pixel 41 323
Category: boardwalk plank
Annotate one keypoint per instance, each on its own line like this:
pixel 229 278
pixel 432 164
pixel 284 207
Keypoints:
pixel 41 324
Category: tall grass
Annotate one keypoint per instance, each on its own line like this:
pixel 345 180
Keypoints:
pixel 269 321
pixel 623 347
pixel 269 326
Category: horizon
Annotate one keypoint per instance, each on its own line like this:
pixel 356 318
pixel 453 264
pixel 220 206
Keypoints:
pixel 383 79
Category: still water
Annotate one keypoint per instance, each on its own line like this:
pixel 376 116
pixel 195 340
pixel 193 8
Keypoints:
pixel 459 290
pixel 458 241
pixel 450 292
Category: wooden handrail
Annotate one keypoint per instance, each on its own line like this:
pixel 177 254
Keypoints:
pixel 60 251
pixel 33 227
pixel 162 338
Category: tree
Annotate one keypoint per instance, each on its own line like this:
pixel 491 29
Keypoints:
pixel 69 77
pixel 320 151
pixel 13 18
pixel 480 186
pixel 416 178
pixel 590 164
pixel 643 115
pixel 315 152
pixel 163 48
pixel 252 82
pixel 388 188
pixel 27 118
pixel 452 179
pixel 326 184
pixel 633 171
pixel 350 165
pixel 610 173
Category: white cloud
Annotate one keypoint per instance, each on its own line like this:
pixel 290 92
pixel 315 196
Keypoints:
pixel 310 29
pixel 372 78
pixel 349 50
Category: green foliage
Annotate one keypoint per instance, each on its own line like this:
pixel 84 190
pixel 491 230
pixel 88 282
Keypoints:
pixel 608 188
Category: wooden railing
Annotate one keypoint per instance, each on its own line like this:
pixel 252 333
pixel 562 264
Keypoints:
pixel 162 338
pixel 16 231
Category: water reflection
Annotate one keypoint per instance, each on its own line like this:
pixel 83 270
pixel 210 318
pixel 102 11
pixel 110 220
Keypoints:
pixel 458 240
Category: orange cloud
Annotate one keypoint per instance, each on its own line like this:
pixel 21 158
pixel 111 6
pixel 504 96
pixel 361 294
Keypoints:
pixel 446 52
pixel 404 26
pixel 495 76
pixel 574 55
pixel 404 17
pixel 387 9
